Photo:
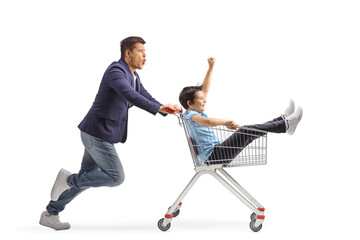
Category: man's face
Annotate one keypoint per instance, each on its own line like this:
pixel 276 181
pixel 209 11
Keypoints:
pixel 137 56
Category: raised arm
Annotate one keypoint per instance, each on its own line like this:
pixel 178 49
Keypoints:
pixel 207 80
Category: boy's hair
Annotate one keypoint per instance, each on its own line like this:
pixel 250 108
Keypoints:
pixel 129 44
pixel 188 93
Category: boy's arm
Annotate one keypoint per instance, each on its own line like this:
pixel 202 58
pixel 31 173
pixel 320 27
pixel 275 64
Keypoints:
pixel 207 80
pixel 213 122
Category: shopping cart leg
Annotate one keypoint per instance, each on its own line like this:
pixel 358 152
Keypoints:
pixel 256 223
pixel 257 217
pixel 165 223
pixel 242 190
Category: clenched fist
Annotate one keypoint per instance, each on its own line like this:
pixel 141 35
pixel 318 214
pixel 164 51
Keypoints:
pixel 211 62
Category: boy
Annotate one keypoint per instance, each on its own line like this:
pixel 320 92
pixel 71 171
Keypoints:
pixel 193 99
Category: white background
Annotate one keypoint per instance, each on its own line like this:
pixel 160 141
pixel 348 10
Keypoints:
pixel 53 56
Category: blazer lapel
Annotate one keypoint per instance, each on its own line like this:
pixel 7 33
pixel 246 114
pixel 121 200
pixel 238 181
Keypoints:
pixel 130 78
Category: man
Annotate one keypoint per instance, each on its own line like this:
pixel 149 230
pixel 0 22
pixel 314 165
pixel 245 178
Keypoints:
pixel 104 125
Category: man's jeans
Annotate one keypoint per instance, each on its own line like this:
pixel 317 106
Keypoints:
pixel 100 166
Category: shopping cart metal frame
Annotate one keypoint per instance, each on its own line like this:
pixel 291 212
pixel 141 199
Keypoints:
pixel 217 171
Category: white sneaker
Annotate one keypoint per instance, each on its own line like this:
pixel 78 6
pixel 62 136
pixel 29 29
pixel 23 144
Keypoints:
pixel 52 221
pixel 289 110
pixel 293 120
pixel 60 184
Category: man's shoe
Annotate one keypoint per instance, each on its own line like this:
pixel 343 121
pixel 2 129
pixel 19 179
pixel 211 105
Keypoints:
pixel 293 120
pixel 52 221
pixel 60 184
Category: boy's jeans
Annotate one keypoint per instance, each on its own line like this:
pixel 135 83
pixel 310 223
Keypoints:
pixel 232 146
pixel 100 166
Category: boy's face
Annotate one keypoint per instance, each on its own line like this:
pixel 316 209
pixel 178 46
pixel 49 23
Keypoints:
pixel 199 102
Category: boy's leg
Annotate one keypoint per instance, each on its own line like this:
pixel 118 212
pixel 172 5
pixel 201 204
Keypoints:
pixel 277 125
pixel 232 146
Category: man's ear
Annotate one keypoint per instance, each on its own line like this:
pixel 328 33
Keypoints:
pixel 189 103
pixel 127 53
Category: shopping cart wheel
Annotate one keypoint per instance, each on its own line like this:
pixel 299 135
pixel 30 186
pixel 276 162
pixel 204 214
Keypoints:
pixel 252 227
pixel 161 227
pixel 253 216
pixel 176 213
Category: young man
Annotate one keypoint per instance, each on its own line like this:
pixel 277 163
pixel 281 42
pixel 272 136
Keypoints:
pixel 104 125
pixel 193 99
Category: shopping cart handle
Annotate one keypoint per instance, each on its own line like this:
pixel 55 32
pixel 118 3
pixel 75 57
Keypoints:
pixel 171 110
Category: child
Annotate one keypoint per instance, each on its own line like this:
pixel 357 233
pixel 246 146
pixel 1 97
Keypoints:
pixel 193 99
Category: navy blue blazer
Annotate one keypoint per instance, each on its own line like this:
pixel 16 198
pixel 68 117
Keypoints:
pixel 108 116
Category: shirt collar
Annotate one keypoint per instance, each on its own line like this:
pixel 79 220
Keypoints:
pixel 123 63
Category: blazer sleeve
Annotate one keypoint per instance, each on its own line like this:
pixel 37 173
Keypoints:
pixel 118 81
pixel 149 97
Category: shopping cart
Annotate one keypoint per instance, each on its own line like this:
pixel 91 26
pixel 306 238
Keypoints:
pixel 243 147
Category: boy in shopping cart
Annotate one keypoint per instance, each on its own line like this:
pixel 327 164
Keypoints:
pixel 193 99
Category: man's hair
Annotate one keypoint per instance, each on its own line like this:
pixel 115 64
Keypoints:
pixel 188 93
pixel 129 44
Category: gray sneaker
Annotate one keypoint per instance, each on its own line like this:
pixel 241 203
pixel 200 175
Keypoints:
pixel 289 110
pixel 293 120
pixel 52 221
pixel 60 184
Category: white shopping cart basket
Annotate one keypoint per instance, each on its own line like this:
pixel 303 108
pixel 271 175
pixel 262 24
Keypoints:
pixel 222 147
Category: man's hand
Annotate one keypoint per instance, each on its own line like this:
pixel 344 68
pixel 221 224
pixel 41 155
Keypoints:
pixel 171 106
pixel 211 62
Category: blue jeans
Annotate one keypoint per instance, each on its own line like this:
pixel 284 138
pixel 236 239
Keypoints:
pixel 100 166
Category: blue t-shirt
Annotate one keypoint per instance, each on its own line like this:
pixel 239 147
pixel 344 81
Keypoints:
pixel 204 136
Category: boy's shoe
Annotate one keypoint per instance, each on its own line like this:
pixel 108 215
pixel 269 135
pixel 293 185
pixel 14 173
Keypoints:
pixel 60 184
pixel 289 110
pixel 293 120
pixel 52 221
